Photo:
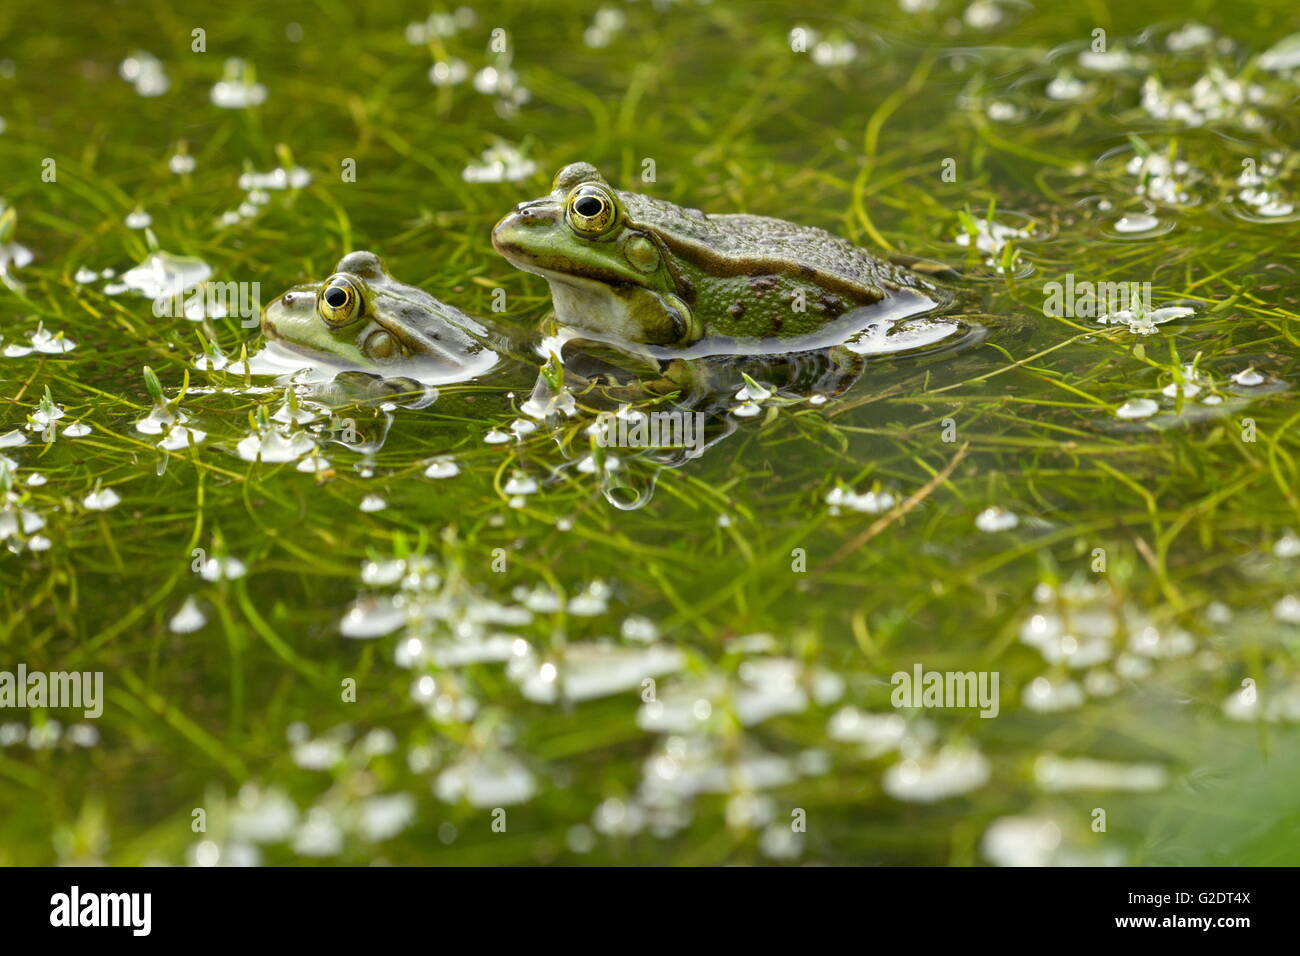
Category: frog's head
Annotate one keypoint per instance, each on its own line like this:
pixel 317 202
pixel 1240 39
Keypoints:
pixel 362 318
pixel 608 274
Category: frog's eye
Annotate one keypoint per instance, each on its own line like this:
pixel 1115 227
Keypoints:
pixel 340 301
pixel 591 210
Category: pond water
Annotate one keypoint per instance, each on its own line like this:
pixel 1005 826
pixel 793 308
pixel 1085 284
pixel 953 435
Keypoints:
pixel 451 626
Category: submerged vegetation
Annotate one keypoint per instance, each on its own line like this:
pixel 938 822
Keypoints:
pixel 455 628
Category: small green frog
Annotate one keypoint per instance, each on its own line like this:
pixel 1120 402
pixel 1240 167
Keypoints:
pixel 361 318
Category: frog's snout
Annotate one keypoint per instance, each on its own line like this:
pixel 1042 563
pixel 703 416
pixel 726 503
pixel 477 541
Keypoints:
pixel 268 324
pixel 275 312
pixel 513 231
pixel 536 212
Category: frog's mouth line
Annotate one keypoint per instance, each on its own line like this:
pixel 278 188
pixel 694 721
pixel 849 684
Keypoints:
pixel 581 282
pixel 522 258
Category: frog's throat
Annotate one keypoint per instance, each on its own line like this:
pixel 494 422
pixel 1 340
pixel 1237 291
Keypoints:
pixel 624 310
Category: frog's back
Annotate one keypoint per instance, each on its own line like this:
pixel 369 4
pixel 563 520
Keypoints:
pixel 743 244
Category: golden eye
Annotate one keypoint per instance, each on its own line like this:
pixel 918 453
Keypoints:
pixel 591 210
pixel 340 301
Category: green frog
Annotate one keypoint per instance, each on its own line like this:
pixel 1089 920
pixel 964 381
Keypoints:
pixel 628 268
pixel 362 319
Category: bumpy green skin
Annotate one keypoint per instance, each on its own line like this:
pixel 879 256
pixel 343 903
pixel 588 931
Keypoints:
pixel 661 274
pixel 397 329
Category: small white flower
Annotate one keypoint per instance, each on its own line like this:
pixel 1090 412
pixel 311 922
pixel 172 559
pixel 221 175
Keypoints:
pixel 102 499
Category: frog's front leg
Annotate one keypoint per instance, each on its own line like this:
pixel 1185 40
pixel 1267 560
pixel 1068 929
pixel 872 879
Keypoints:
pixel 677 321
pixel 629 313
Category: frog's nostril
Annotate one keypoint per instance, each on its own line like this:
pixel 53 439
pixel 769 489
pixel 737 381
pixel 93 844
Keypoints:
pixel 532 211
pixel 532 216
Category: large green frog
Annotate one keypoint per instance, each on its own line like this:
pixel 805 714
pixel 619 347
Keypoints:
pixel 361 318
pixel 630 268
